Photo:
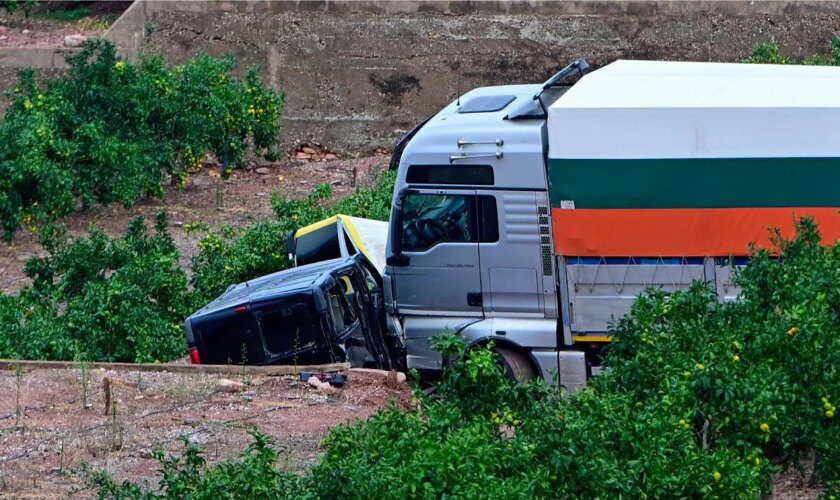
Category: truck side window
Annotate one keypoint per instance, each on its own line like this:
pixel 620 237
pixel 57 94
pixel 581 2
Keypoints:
pixel 488 220
pixel 429 219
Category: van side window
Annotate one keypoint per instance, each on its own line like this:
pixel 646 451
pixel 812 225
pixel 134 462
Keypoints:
pixel 429 219
pixel 345 312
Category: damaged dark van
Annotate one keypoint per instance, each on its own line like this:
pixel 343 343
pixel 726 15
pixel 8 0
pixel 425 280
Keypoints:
pixel 324 312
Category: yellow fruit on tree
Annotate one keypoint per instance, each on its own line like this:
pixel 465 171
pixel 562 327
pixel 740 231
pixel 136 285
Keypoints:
pixel 765 427
pixel 716 476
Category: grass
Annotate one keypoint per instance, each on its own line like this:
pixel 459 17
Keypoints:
pixel 73 14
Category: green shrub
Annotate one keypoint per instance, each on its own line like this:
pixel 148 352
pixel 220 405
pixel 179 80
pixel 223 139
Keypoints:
pixel 526 442
pixel 252 476
pixel 770 53
pixel 759 375
pixel 12 6
pixel 114 131
pixel 100 299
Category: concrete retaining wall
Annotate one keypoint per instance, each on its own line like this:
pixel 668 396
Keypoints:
pixel 359 74
pixel 47 63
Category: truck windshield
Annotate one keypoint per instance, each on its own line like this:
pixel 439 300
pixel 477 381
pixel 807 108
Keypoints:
pixel 430 219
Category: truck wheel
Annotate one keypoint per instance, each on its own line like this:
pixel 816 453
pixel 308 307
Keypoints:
pixel 515 364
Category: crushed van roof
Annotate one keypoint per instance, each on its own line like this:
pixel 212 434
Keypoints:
pixel 287 281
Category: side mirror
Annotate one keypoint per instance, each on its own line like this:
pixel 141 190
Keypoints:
pixel 397 258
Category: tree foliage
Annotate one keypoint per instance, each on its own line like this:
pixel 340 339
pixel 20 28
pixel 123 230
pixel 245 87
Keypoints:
pixel 114 131
pixel 100 298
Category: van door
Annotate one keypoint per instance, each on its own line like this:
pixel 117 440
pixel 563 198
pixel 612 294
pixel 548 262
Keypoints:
pixel 510 253
pixel 441 276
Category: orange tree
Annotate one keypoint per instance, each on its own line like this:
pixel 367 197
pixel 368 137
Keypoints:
pixel 113 131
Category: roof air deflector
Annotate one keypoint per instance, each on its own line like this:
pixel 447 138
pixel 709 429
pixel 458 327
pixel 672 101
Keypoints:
pixel 486 104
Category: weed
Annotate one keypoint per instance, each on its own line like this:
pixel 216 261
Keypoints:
pixel 115 434
pixel 84 381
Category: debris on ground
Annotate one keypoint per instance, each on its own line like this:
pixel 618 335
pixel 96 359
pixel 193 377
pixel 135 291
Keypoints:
pixel 227 385
pixel 75 40
pixel 324 387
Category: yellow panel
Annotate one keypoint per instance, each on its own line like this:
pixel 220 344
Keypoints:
pixel 315 226
pixel 349 286
pixel 591 338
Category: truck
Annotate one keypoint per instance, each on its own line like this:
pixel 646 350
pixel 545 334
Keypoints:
pixel 532 216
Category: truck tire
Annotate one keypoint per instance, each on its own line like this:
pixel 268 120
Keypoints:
pixel 515 364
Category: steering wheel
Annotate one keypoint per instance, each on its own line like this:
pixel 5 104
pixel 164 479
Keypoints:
pixel 431 230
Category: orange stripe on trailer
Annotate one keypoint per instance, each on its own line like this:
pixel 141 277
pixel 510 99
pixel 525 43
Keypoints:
pixel 679 232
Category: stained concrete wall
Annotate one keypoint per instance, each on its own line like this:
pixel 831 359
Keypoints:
pixel 47 63
pixel 359 74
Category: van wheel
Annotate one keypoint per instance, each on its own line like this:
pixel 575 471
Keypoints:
pixel 515 364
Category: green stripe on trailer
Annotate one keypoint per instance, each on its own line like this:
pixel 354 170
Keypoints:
pixel 695 182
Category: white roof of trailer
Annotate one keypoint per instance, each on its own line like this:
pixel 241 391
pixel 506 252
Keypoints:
pixel 664 84
pixel 651 109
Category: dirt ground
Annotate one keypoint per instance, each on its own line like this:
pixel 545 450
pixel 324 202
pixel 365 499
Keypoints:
pixel 46 431
pixel 45 30
pixel 243 198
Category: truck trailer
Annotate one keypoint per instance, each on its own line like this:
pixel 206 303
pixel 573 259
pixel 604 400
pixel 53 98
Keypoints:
pixel 532 216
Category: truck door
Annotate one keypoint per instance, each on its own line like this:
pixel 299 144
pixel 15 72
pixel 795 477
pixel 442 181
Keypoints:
pixel 441 275
pixel 510 253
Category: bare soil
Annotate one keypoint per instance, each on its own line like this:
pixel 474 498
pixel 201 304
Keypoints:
pixel 41 31
pixel 243 198
pixel 47 431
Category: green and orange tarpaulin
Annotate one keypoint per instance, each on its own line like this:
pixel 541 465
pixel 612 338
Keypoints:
pixel 688 207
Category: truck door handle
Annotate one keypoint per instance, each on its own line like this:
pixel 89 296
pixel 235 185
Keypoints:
pixel 474 299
